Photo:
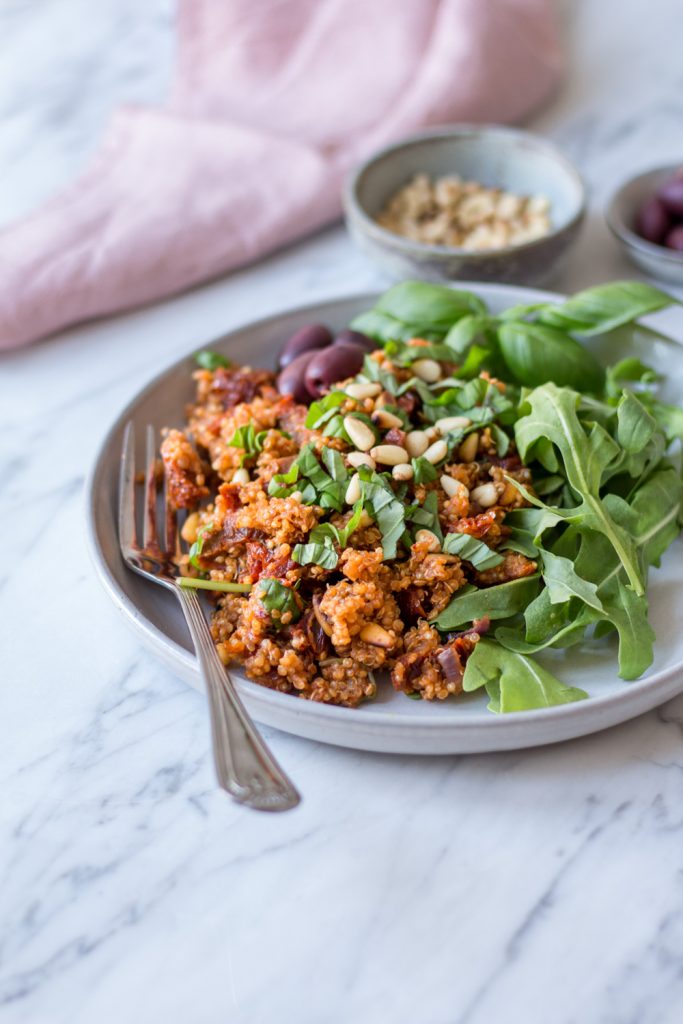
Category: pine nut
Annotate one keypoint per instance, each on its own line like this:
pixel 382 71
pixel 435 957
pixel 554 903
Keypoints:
pixel 386 420
pixel 296 496
pixel 353 491
pixel 361 391
pixel 468 449
pixel 190 527
pixel 485 495
pixel 432 434
pixel 452 423
pixel 241 476
pixel 424 536
pixel 365 520
pixel 436 452
pixel 402 472
pixel 417 443
pixel 453 487
pixel 389 454
pixel 427 370
pixel 357 459
pixel 376 635
pixel 360 433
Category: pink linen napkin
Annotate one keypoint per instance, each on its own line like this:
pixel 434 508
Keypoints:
pixel 274 101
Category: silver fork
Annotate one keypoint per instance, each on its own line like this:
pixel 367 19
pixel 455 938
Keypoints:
pixel 244 765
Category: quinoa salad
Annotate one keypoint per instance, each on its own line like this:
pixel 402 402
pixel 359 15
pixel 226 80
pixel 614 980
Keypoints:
pixel 380 510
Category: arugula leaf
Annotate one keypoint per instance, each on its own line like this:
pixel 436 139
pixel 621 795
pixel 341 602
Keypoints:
pixel 471 550
pixel 514 682
pixel 628 371
pixel 209 360
pixel 653 517
pixel 601 309
pixel 279 600
pixel 553 417
pixel 499 602
pixel 535 353
pixel 669 418
pixel 563 582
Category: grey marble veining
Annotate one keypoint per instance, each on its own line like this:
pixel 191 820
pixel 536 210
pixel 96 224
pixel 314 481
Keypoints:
pixel 543 886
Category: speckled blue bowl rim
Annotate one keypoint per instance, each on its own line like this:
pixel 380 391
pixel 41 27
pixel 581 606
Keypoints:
pixel 354 208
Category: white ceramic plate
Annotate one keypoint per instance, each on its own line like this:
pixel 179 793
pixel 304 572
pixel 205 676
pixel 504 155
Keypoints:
pixel 391 723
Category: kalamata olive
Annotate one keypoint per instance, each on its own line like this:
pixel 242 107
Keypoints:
pixel 674 240
pixel 349 337
pixel 653 221
pixel 331 365
pixel 306 339
pixel 291 380
pixel 671 194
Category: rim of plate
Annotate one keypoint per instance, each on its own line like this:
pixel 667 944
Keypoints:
pixel 596 707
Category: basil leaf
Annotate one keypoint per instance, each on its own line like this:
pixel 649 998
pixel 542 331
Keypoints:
pixel 282 484
pixel 247 439
pixel 514 682
pixel 382 504
pixel 426 516
pixel 315 553
pixel 471 550
pixel 601 309
pixel 323 409
pixel 466 331
pixel 499 602
pixel 422 302
pixel 423 471
pixel 209 360
pixel 278 599
pixel 535 354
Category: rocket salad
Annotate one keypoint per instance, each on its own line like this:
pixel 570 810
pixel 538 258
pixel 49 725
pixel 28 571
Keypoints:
pixel 603 449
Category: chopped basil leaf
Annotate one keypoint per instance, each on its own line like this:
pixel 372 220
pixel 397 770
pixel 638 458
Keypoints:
pixel 209 360
pixel 471 550
pixel 247 439
pixel 278 599
pixel 423 471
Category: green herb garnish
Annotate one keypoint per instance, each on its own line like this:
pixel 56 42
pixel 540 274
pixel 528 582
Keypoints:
pixel 209 360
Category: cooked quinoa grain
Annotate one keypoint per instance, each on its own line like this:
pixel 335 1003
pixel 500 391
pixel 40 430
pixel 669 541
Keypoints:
pixel 343 553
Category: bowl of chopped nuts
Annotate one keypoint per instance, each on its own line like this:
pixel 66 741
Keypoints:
pixel 483 203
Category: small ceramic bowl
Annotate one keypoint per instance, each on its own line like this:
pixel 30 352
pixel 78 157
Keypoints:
pixel 620 215
pixel 506 158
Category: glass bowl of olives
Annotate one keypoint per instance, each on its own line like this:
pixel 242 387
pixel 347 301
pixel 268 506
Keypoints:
pixel 646 216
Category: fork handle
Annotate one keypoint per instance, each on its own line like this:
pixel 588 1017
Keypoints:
pixel 244 765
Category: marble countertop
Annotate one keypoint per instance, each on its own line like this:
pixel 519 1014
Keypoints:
pixel 539 886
